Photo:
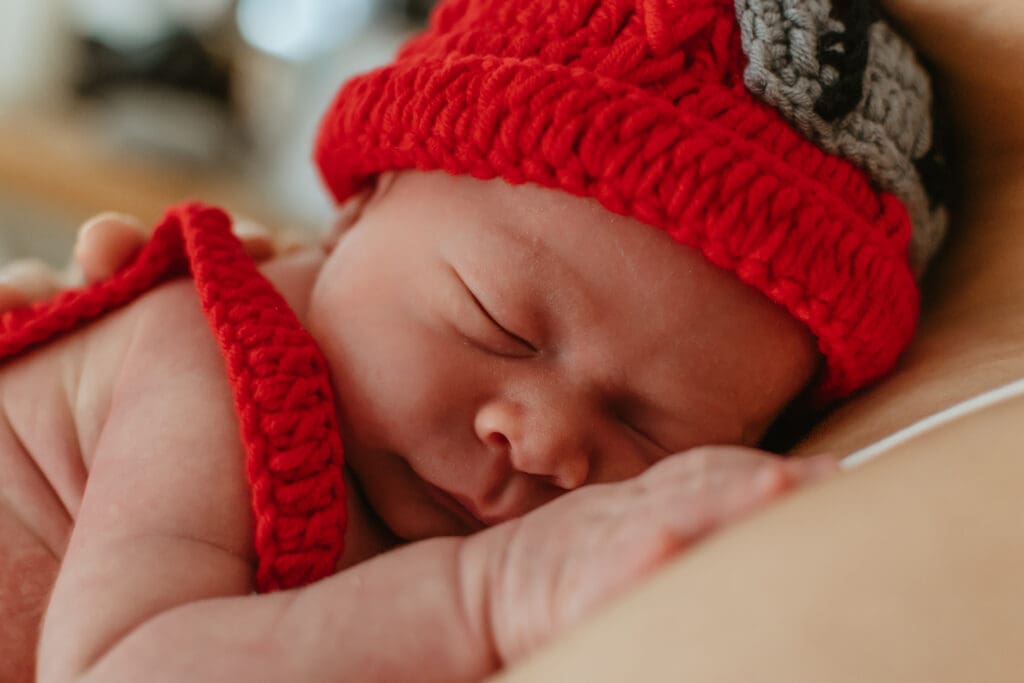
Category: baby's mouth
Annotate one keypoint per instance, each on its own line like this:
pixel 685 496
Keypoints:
pixel 452 504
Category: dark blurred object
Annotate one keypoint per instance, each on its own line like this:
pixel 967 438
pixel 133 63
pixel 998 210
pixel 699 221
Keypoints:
pixel 180 62
pixel 416 10
pixel 170 96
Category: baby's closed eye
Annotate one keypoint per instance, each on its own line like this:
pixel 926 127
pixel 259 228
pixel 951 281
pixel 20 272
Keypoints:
pixel 483 329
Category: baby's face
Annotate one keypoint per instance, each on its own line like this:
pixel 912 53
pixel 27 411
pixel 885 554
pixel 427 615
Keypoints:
pixel 494 347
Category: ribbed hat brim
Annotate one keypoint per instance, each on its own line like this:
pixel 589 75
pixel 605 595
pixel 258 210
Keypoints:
pixel 716 169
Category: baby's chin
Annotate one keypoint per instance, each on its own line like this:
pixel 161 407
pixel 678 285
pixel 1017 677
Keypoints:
pixel 418 522
pixel 408 506
pixel 419 519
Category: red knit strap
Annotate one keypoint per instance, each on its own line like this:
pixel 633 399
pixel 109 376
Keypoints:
pixel 279 378
pixel 284 401
pixel 160 260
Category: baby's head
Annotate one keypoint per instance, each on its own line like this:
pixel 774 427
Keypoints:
pixel 583 244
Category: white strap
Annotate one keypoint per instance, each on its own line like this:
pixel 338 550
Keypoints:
pixel 959 410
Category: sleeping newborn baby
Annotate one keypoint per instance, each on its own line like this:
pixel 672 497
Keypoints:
pixel 580 249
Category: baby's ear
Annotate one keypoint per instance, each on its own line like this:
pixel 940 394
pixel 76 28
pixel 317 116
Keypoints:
pixel 348 215
pixel 352 210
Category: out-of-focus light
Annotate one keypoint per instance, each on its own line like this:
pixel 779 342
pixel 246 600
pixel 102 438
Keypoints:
pixel 301 30
pixel 120 23
pixel 197 14
pixel 130 23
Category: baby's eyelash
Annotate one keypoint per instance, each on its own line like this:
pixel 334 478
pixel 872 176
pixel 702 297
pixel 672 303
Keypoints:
pixel 644 435
pixel 487 314
pixel 629 424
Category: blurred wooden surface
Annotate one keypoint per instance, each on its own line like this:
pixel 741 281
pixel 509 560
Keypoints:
pixel 53 161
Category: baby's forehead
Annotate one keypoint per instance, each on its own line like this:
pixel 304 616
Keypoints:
pixel 540 219
pixel 563 246
pixel 615 295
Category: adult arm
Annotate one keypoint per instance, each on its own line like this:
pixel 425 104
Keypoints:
pixel 907 569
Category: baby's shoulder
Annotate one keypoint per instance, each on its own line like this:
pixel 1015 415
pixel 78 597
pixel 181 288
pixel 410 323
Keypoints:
pixel 173 362
pixel 171 336
pixel 168 332
pixel 57 401
pixel 159 352
pixel 57 397
pixel 170 362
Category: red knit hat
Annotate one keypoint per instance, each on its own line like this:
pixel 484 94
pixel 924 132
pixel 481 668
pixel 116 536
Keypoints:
pixel 642 105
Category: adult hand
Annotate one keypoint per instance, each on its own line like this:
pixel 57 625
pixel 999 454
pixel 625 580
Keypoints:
pixel 105 244
pixel 547 570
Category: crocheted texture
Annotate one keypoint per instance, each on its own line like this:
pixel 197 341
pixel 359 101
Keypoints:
pixel 641 105
pixel 279 378
pixel 847 81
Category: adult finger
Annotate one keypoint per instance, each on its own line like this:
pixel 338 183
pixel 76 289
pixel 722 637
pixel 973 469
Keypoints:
pixel 257 239
pixel 106 243
pixel 25 281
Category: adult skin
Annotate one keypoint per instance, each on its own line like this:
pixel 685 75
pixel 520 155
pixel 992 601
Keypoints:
pixel 907 569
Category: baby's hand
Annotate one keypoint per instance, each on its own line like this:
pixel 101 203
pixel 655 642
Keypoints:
pixel 547 570
pixel 104 245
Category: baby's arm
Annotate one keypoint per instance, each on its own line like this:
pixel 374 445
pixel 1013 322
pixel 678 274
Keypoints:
pixel 159 567
pixel 157 579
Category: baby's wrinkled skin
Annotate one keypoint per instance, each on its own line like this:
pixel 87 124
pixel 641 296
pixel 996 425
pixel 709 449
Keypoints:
pixel 492 348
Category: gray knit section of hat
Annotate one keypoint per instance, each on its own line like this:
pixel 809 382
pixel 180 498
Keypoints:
pixel 839 73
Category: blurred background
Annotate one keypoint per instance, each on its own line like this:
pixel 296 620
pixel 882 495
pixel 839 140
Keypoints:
pixel 134 105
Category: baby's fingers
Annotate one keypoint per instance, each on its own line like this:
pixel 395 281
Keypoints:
pixel 698 491
pixel 807 470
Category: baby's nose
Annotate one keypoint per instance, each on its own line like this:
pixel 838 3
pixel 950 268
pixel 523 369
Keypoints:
pixel 539 438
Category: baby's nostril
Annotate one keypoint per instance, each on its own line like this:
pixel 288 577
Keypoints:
pixel 499 439
pixel 554 480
